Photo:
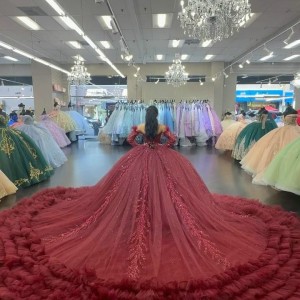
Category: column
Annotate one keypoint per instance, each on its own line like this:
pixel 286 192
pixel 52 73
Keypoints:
pixel 297 98
pixel 43 78
pixel 42 88
pixel 134 88
pixel 218 87
pixel 229 93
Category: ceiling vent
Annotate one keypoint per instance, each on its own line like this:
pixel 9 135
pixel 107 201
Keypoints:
pixel 191 42
pixel 33 11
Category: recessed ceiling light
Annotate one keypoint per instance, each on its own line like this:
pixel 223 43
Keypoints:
pixel 75 44
pixel 159 56
pixel 175 43
pixel 292 44
pixel 29 23
pixel 10 58
pixel 292 57
pixel 105 22
pixel 184 56
pixel 266 57
pixel 208 56
pixel 162 20
pixel 105 44
pixel 206 43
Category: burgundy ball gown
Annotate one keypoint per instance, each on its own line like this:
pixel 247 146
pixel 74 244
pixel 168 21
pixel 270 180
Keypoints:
pixel 150 229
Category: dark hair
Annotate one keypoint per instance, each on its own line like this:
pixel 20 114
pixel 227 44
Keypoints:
pixel 290 111
pixel 243 113
pixel 228 113
pixel 151 124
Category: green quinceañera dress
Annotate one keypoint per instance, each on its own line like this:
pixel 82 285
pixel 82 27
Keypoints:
pixel 251 134
pixel 20 159
pixel 283 172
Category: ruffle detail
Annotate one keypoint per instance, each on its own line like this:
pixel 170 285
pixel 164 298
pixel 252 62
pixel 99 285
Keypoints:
pixel 26 272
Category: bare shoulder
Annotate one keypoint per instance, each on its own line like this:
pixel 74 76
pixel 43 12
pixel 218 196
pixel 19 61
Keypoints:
pixel 141 128
pixel 162 128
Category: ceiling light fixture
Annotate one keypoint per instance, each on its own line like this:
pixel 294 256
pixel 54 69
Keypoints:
pixel 107 20
pixel 78 57
pixel 246 20
pixel 201 82
pixel 286 41
pixel 79 74
pixel 206 43
pixel 176 75
pixel 213 79
pixel 184 56
pixel 159 56
pixel 28 55
pixel 208 56
pixel 10 58
pixel 292 44
pixel 161 20
pixel 157 81
pixel 248 62
pixel 225 74
pixel 292 57
pixel 175 43
pixel 241 66
pixel 30 24
pixel 105 44
pixel 213 20
pixel 72 24
pixel 75 44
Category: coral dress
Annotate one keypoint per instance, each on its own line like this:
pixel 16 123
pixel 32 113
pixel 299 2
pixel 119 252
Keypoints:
pixel 150 229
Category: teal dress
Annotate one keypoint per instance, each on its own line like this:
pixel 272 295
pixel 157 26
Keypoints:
pixel 20 159
pixel 251 134
pixel 283 172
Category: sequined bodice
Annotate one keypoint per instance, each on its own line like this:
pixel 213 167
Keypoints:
pixel 156 140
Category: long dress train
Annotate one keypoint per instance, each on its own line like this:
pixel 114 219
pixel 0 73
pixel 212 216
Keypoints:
pixel 150 229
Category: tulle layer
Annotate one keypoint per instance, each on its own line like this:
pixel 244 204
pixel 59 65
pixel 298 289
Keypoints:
pixel 27 272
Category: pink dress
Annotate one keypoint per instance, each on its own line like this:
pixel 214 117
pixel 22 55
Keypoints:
pixel 58 133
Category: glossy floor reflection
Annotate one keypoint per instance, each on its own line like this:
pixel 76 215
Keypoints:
pixel 88 161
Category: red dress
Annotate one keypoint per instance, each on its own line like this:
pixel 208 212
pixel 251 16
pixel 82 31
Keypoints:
pixel 150 229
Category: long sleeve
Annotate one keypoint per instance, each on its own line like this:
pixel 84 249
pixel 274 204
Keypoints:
pixel 170 136
pixel 131 137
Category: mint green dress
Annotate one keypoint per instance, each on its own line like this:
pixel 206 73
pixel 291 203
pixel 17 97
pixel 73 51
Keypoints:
pixel 283 172
pixel 20 158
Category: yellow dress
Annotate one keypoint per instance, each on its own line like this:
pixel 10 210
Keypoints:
pixel 63 120
pixel 6 186
pixel 228 137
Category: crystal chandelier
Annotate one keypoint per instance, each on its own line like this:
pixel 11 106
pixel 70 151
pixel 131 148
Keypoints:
pixel 79 74
pixel 213 20
pixel 176 74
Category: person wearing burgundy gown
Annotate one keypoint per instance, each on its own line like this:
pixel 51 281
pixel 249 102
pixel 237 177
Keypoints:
pixel 150 229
